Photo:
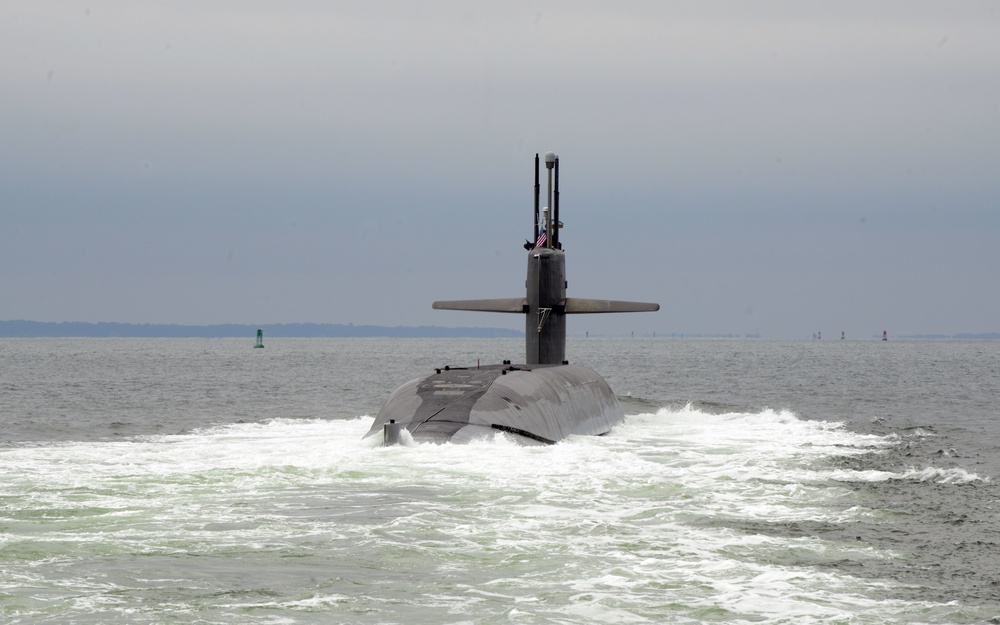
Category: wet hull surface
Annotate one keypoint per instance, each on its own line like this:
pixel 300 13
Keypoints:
pixel 537 404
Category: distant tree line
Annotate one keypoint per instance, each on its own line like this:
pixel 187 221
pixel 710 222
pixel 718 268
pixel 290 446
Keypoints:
pixel 41 329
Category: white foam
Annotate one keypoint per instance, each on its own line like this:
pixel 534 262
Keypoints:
pixel 637 526
pixel 942 476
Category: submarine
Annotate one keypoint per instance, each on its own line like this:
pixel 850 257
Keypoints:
pixel 538 402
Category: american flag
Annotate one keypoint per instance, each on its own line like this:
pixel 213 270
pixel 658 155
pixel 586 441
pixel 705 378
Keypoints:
pixel 540 241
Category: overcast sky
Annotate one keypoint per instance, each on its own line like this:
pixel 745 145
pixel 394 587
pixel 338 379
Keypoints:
pixel 773 167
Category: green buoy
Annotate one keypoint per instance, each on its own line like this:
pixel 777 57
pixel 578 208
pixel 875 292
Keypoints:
pixel 260 339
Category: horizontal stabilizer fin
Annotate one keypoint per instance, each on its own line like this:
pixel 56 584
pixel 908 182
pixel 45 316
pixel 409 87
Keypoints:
pixel 505 305
pixel 577 305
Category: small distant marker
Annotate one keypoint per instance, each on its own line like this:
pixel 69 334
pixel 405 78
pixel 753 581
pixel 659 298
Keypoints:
pixel 260 340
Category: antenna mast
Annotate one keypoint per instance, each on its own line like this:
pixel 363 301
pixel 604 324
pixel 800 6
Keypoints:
pixel 534 233
pixel 556 224
pixel 550 162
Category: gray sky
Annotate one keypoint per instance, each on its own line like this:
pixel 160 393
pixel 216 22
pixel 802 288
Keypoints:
pixel 772 167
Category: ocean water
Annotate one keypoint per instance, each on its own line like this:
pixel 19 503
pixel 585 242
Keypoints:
pixel 754 481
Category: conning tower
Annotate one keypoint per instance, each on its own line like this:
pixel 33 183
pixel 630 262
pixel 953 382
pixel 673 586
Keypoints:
pixel 545 304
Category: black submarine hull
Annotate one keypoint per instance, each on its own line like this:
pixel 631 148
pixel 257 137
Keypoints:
pixel 532 404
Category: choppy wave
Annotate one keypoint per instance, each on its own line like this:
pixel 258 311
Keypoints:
pixel 302 521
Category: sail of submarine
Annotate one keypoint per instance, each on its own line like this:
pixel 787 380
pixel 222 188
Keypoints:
pixel 541 401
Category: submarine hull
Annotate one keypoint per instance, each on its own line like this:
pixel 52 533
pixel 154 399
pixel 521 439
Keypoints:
pixel 533 404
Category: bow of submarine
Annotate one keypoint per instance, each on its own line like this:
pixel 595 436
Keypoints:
pixel 534 404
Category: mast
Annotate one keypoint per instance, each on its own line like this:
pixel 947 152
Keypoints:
pixel 556 224
pixel 534 232
pixel 550 162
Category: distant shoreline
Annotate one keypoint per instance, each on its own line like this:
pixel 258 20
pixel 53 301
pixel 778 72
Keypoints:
pixel 983 336
pixel 108 329
pixel 79 329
